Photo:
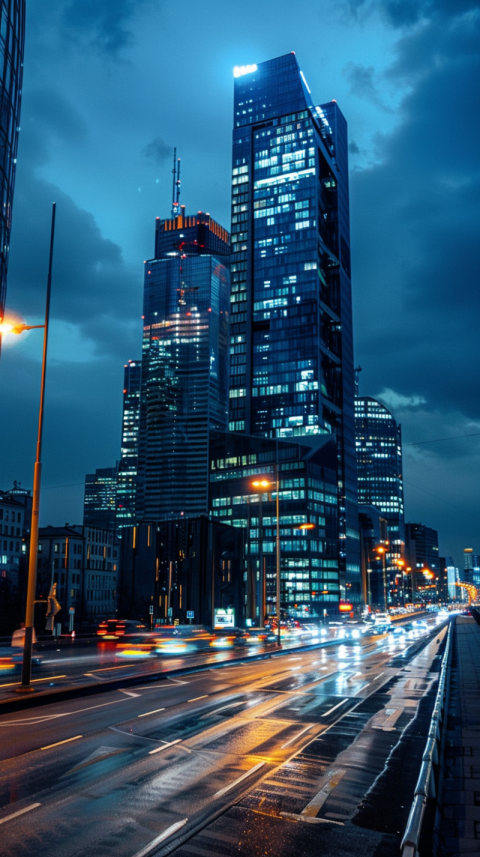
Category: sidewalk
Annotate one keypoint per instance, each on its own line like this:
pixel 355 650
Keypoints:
pixel 460 827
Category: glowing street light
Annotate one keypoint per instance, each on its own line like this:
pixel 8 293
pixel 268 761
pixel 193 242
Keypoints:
pixel 265 483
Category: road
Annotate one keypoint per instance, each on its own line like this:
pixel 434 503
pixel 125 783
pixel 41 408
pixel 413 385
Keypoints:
pixel 267 757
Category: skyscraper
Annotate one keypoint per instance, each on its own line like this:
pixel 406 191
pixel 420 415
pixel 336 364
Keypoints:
pixel 100 498
pixel 291 341
pixel 12 37
pixel 184 390
pixel 379 468
pixel 128 466
pixel 421 551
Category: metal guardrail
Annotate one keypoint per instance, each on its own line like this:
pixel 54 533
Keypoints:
pixel 425 786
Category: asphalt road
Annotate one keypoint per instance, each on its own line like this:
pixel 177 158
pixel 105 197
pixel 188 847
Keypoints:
pixel 268 757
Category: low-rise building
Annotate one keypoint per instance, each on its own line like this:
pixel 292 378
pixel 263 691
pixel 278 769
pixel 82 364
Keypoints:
pixel 83 562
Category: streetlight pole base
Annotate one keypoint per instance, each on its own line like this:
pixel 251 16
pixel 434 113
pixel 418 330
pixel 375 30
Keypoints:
pixel 23 689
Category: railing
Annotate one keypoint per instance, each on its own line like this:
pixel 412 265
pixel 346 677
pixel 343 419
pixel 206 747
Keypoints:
pixel 425 786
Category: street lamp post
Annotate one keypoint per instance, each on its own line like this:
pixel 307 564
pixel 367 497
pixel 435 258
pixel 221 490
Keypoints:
pixel 264 483
pixel 26 687
pixel 381 550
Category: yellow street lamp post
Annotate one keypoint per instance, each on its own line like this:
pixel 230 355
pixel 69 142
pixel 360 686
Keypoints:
pixel 25 686
pixel 264 483
pixel 383 552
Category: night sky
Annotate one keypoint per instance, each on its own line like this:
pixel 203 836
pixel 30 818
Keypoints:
pixel 111 87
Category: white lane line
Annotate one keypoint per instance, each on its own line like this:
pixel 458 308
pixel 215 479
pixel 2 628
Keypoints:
pixel 19 812
pixel 298 735
pixel 196 698
pixel 165 746
pixel 312 809
pixel 239 780
pixel 130 693
pixel 30 721
pixel 57 743
pixel 325 713
pixel 151 712
pixel 166 833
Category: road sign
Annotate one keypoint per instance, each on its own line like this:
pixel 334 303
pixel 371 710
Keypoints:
pixel 224 618
pixel 71 610
pixel 190 614
pixel 151 609
pixel 170 611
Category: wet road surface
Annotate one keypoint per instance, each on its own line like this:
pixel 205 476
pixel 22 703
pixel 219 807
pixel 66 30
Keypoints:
pixel 266 757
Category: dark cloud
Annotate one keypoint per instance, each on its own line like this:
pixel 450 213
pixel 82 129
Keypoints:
pixel 157 151
pixel 101 23
pixel 362 83
pixel 406 13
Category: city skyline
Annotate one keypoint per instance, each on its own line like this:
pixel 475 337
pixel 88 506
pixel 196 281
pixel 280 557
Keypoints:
pixel 412 361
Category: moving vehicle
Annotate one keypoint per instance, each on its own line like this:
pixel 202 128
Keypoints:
pixel 113 629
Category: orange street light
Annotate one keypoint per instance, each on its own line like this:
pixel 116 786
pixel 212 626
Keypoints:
pixel 9 327
pixel 261 483
pixel 305 527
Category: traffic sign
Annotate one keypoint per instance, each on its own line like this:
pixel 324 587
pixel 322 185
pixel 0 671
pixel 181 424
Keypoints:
pixel 190 614
pixel 71 610
pixel 151 609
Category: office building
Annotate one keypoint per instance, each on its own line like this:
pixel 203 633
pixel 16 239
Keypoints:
pixel 99 508
pixel 308 520
pixel 182 570
pixel 128 465
pixel 422 556
pixel 378 440
pixel 12 38
pixel 471 567
pixel 83 562
pixel 184 392
pixel 453 577
pixel 291 341
pixel 14 523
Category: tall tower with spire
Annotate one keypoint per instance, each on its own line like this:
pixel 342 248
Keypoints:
pixel 184 377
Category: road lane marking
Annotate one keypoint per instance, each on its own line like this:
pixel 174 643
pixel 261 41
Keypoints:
pixel 298 735
pixel 151 712
pixel 31 721
pixel 19 812
pixel 48 678
pixel 196 698
pixel 239 780
pixel 312 808
pixel 166 833
pixel 106 669
pixel 57 743
pixel 130 693
pixel 326 713
pixel 230 705
pixel 165 746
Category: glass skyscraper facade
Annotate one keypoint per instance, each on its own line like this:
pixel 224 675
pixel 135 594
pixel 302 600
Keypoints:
pixel 380 480
pixel 12 38
pixel 379 466
pixel 291 344
pixel 184 385
pixel 128 466
pixel 308 514
pixel 100 498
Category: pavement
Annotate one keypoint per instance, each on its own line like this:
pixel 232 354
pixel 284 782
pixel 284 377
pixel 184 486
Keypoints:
pixel 460 827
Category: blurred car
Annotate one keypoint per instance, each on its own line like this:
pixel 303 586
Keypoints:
pixel 113 629
pixel 11 660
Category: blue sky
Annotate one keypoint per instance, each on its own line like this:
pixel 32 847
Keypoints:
pixel 109 89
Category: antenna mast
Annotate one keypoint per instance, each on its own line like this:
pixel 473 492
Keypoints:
pixel 176 184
